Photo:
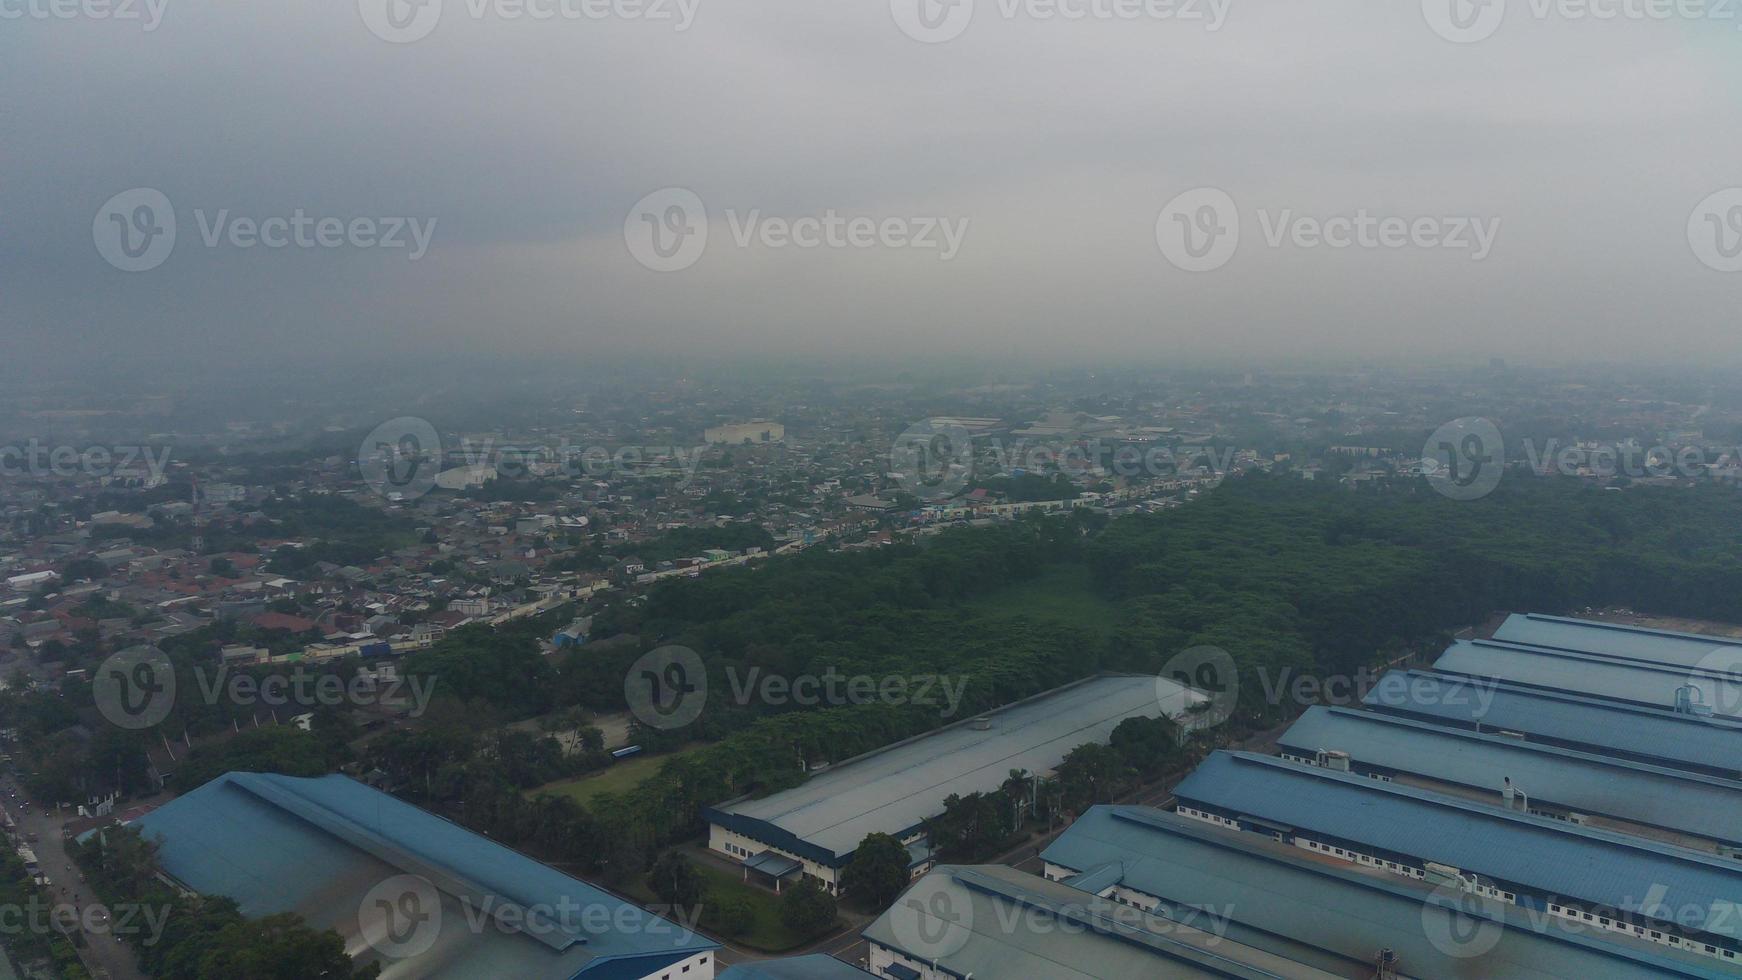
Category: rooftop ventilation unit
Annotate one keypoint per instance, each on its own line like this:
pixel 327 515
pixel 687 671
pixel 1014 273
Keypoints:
pixel 1444 874
pixel 1513 798
pixel 1332 759
pixel 1690 700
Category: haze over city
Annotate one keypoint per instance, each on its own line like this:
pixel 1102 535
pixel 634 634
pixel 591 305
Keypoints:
pixel 524 144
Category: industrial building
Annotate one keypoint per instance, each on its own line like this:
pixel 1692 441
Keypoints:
pixel 1688 689
pixel 325 848
pixel 1673 806
pixel 813 829
pixel 816 966
pixel 1654 736
pixel 1637 643
pixel 739 433
pixel 1627 885
pixel 997 923
pixel 1346 920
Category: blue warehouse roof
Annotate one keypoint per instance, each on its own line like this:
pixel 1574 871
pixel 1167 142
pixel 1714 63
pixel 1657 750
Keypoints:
pixel 1653 735
pixel 997 922
pixel 1661 647
pixel 316 847
pixel 1551 858
pixel 1592 675
pixel 1688 803
pixel 1278 897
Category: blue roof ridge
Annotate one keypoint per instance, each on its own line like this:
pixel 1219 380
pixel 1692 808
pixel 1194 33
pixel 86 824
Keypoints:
pixel 1486 812
pixel 465 889
pixel 1541 748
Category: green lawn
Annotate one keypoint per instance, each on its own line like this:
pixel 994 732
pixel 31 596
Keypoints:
pixel 1062 594
pixel 769 933
pixel 619 778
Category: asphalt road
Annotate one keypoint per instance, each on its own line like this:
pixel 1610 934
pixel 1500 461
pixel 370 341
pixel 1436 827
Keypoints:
pixel 105 954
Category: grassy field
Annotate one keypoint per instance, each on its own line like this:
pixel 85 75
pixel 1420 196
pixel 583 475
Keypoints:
pixel 621 777
pixel 1063 594
pixel 766 934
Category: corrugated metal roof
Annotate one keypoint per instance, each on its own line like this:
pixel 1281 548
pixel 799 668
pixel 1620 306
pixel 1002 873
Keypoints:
pixel 1656 735
pixel 1596 867
pixel 1281 899
pixel 897 788
pixel 1628 642
pixel 1592 675
pixel 996 922
pixel 317 847
pixel 1703 806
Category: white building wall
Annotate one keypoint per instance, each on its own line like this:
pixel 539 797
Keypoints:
pixel 882 957
pixel 697 967
pixel 741 848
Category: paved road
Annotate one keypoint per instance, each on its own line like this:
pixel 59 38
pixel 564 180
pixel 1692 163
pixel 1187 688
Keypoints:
pixel 106 955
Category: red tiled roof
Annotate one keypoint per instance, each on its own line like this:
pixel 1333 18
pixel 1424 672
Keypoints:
pixel 282 621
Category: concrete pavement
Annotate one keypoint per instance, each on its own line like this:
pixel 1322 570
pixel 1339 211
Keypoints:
pixel 106 955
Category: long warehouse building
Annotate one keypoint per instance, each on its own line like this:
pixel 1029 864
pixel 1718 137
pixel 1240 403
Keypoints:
pixel 1689 689
pixel 1636 643
pixel 1654 736
pixel 997 923
pixel 1340 918
pixel 814 829
pixel 335 852
pixel 1628 885
pixel 1702 812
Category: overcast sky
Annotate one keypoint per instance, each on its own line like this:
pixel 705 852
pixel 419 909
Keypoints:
pixel 1583 147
